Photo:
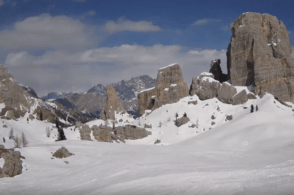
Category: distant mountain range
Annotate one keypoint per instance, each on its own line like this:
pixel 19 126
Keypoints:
pixel 93 100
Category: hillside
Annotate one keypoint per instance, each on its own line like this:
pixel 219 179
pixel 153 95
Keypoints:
pixel 241 156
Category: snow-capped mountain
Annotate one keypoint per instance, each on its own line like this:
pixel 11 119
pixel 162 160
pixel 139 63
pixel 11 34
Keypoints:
pixel 55 95
pixel 93 100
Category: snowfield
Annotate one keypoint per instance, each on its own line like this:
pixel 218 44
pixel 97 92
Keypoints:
pixel 252 154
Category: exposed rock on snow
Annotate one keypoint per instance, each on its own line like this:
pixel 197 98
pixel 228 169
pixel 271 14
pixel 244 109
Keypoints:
pixel 216 70
pixel 113 105
pixel 170 78
pixel 226 92
pixel 251 61
pixel 31 117
pixel 10 114
pixel 12 165
pixel 205 87
pixel 121 133
pixel 229 117
pixel 240 98
pixel 181 121
pixel 62 153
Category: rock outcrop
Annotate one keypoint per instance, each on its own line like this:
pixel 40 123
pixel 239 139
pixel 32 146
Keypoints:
pixel 113 105
pixel 260 55
pixel 62 153
pixel 170 88
pixel 216 70
pixel 121 133
pixel 181 121
pixel 206 87
pixel 13 163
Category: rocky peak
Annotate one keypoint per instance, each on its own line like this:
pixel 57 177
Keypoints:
pixel 113 105
pixel 260 55
pixel 98 89
pixel 216 70
pixel 170 88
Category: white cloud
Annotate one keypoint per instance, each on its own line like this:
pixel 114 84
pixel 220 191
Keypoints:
pixel 205 21
pixel 82 70
pixel 127 25
pixel 201 22
pixel 45 31
pixel 92 13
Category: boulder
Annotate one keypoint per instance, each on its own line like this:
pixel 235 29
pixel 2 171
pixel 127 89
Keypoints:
pixel 102 133
pixel 12 165
pixel 157 141
pixel 240 98
pixel 113 105
pixel 216 70
pixel 31 117
pixel 226 93
pixel 10 114
pixel 260 55
pixel 170 88
pixel 205 87
pixel 251 96
pixel 181 121
pixel 147 126
pixel 62 153
pixel 85 132
pixel 229 117
pixel 193 102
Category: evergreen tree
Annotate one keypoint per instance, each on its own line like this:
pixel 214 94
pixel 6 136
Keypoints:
pixel 11 134
pixel 41 116
pixel 24 140
pixel 256 108
pixel 4 140
pixel 185 115
pixel 177 118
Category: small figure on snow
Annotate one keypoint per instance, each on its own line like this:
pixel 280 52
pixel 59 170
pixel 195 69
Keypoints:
pixel 256 108
pixel 4 140
pixel 252 108
pixel 27 120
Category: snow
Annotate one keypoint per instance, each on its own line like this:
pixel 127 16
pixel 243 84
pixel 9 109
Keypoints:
pixel 173 85
pixel 242 26
pixel 147 89
pixel 168 66
pixel 166 89
pixel 153 96
pixel 252 154
pixel 206 74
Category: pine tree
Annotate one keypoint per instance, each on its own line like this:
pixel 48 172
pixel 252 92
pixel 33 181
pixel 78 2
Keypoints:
pixel 17 142
pixel 41 116
pixel 48 131
pixel 197 124
pixel 24 140
pixel 11 134
pixel 185 114
pixel 177 118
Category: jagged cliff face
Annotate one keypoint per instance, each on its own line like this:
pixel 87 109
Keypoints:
pixel 260 55
pixel 170 88
pixel 19 100
pixel 16 97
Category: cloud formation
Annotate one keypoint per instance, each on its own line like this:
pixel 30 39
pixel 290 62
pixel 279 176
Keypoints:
pixel 128 25
pixel 78 71
pixel 205 21
pixel 45 31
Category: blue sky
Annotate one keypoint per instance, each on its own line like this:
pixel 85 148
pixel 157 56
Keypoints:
pixel 41 39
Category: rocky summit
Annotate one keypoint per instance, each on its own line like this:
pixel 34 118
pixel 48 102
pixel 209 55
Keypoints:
pixel 170 88
pixel 260 55
pixel 113 105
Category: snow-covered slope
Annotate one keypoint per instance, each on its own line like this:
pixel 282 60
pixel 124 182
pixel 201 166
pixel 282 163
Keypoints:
pixel 252 154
